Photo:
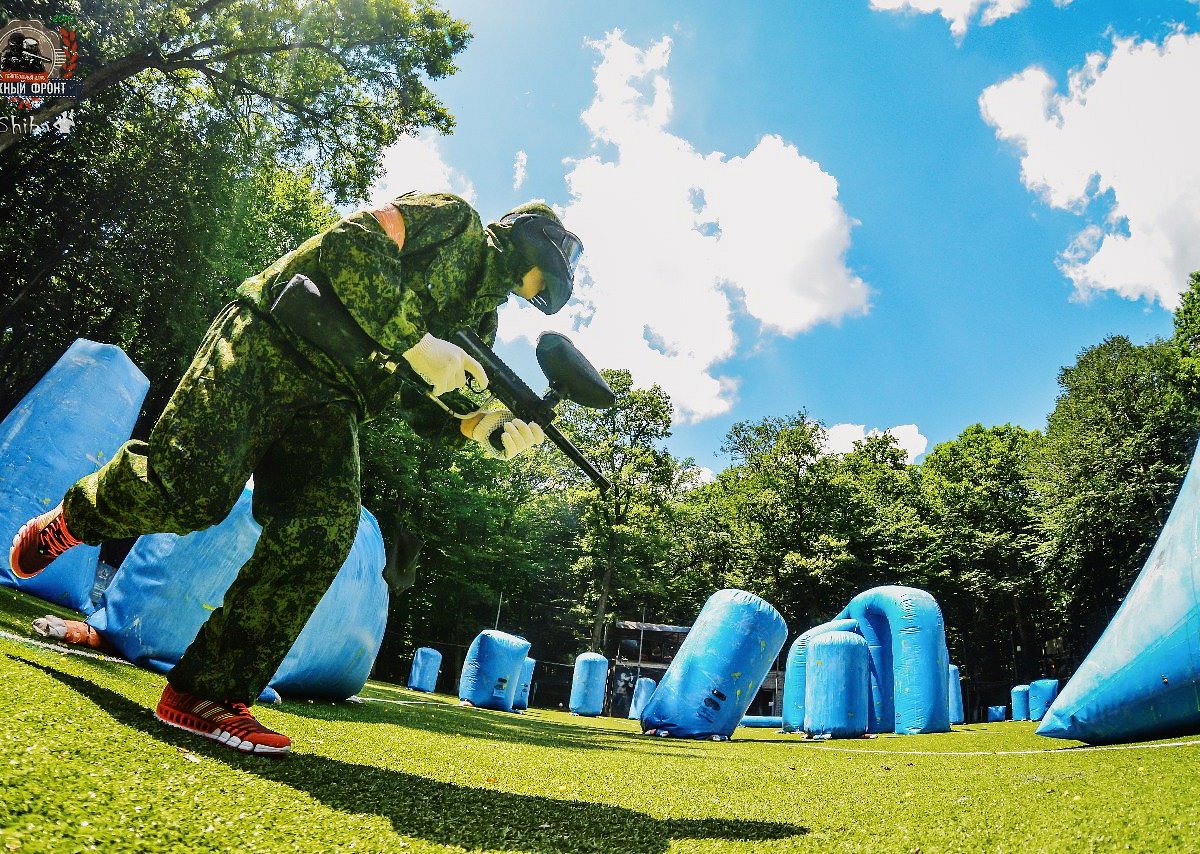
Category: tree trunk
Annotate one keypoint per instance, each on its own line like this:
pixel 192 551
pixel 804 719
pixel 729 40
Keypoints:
pixel 598 623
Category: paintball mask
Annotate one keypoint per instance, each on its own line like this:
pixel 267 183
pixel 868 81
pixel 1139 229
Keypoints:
pixel 545 244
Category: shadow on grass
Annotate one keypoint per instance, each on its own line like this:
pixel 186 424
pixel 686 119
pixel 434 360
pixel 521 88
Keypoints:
pixel 441 812
pixel 453 719
pixel 450 719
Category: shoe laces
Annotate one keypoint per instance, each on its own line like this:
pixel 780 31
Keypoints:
pixel 54 539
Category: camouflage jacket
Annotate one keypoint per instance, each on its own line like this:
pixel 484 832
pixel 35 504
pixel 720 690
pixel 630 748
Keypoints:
pixel 450 273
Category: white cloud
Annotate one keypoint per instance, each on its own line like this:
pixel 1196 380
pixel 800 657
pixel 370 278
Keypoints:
pixel 840 438
pixel 416 163
pixel 959 13
pixel 519 164
pixel 1124 133
pixel 677 241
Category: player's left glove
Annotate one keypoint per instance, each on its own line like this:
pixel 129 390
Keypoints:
pixel 503 437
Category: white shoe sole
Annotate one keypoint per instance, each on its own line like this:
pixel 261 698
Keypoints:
pixel 230 740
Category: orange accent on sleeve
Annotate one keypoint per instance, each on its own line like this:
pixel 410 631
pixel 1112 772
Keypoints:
pixel 392 222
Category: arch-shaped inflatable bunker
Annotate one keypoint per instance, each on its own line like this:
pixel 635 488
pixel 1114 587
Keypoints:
pixel 588 682
pixel 524 684
pixel 168 585
pixel 426 664
pixel 838 686
pixel 1020 703
pixel 643 690
pixel 794 672
pixel 492 670
pixel 954 695
pixel 71 423
pixel 719 668
pixel 1042 693
pixel 909 660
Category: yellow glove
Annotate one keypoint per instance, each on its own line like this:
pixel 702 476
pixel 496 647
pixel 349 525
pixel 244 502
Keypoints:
pixel 515 436
pixel 444 365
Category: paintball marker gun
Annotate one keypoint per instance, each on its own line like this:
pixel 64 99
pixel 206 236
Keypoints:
pixel 571 377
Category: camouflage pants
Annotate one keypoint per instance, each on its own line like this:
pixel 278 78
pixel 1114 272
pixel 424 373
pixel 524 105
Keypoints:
pixel 249 403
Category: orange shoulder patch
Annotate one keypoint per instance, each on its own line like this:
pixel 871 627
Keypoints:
pixel 393 223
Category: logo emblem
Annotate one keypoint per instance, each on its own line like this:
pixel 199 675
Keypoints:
pixel 37 62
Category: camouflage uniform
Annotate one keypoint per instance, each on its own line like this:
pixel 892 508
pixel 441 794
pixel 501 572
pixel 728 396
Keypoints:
pixel 261 398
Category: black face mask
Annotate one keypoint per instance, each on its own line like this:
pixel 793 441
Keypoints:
pixel 545 244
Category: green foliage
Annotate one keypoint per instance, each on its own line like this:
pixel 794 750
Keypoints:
pixel 329 84
pixel 1117 446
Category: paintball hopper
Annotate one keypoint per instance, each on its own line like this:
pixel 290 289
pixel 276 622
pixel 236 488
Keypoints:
pixel 572 377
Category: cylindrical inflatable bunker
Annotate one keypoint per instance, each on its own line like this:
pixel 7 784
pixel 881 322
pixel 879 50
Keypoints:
pixel 71 423
pixel 995 714
pixel 1042 693
pixel 909 661
pixel 837 686
pixel 524 684
pixel 426 663
pixel 588 683
pixel 492 670
pixel 168 585
pixel 954 695
pixel 643 690
pixel 1020 703
pixel 793 678
pixel 719 668
pixel 761 721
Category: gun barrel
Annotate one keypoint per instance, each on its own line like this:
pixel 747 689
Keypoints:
pixel 576 456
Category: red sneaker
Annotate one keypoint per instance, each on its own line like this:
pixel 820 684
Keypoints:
pixel 229 723
pixel 39 542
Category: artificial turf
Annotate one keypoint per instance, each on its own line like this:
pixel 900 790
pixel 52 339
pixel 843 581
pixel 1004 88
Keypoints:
pixel 84 766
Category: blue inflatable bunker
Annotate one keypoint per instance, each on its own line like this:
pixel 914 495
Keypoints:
pixel 524 684
pixel 954 695
pixel 909 660
pixel 168 585
pixel 492 670
pixel 995 714
pixel 719 668
pixel 795 672
pixel 761 721
pixel 70 424
pixel 588 683
pixel 643 690
pixel 838 686
pixel 1020 703
pixel 426 664
pixel 1142 679
pixel 1041 695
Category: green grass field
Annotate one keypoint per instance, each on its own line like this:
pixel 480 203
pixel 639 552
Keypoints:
pixel 84 766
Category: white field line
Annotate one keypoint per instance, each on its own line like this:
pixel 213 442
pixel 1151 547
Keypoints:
pixel 65 650
pixel 405 702
pixel 1065 750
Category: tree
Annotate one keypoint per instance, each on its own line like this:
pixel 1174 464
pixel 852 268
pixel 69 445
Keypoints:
pixel 330 83
pixel 624 538
pixel 977 502
pixel 1117 446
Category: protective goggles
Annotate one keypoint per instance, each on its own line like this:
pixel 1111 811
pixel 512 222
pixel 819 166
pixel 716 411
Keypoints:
pixel 552 249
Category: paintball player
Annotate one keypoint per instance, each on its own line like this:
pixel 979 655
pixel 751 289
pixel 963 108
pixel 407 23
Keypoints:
pixel 312 346
pixel 22 54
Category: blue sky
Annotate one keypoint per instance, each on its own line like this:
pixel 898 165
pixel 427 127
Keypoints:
pixel 890 213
